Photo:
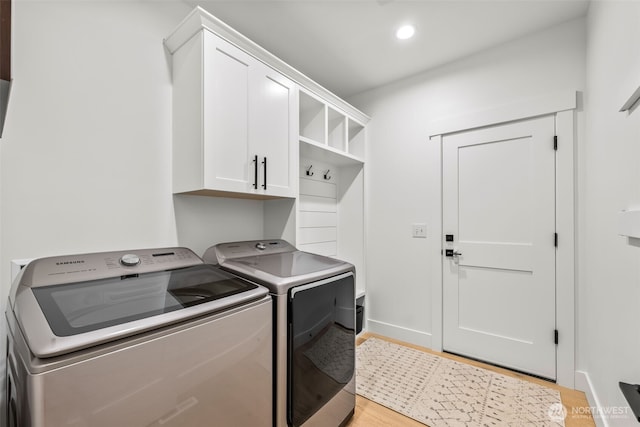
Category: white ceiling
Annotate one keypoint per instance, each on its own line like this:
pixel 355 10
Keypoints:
pixel 348 46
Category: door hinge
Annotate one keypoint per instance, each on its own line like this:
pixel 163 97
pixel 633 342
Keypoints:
pixel 555 239
pixel 555 142
pixel 555 336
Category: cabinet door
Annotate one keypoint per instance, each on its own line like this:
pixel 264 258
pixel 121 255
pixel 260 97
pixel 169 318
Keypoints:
pixel 272 130
pixel 226 153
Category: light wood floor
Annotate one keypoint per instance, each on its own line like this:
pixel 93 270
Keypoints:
pixel 371 414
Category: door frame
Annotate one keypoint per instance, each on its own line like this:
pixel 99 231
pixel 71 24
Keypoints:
pixel 563 106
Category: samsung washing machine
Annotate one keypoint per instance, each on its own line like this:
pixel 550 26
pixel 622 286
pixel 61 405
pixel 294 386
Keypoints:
pixel 143 338
pixel 314 328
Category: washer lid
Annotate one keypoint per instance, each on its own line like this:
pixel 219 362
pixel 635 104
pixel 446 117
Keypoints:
pixel 62 318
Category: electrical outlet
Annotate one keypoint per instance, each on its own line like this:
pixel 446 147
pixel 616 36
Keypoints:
pixel 419 231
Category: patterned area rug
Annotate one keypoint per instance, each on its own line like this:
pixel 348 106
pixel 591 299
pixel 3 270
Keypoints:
pixel 441 392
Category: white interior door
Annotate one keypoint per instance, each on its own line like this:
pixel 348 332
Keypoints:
pixel 499 206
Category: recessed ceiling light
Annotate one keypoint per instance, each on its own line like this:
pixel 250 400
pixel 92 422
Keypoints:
pixel 405 32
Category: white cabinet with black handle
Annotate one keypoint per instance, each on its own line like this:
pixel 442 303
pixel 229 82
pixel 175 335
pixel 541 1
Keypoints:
pixel 234 122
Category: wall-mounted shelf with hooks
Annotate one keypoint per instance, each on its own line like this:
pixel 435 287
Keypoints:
pixel 331 191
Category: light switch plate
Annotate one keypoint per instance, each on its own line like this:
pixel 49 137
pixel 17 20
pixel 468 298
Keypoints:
pixel 419 231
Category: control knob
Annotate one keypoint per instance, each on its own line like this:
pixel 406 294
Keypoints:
pixel 130 260
pixel 261 246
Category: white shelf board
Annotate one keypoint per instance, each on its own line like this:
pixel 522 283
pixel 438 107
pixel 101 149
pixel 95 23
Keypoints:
pixel 360 293
pixel 315 150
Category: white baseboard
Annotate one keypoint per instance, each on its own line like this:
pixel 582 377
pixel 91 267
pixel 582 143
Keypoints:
pixel 583 383
pixel 399 333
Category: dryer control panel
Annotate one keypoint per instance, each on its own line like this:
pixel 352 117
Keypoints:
pixel 219 253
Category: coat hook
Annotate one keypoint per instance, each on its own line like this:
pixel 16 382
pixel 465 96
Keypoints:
pixel 326 175
pixel 309 173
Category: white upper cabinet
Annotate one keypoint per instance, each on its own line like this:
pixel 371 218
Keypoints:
pixel 225 119
pixel 233 122
pixel 272 129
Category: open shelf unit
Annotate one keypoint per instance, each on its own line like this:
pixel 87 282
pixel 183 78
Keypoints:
pixel 331 186
pixel 324 127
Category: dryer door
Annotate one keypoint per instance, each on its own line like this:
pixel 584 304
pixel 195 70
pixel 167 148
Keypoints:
pixel 321 344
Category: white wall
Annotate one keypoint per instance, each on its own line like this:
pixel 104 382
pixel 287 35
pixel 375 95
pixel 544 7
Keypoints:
pixel 400 163
pixel 86 151
pixel 86 154
pixel 610 181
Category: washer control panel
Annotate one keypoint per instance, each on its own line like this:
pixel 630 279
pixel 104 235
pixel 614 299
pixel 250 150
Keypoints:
pixel 93 266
